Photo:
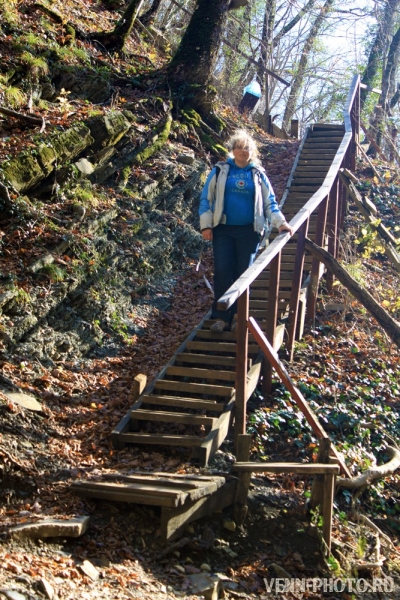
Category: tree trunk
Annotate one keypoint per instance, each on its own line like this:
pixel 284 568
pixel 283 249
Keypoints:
pixel 150 14
pixel 388 80
pixel 235 39
pixel 383 318
pixel 116 39
pixel 298 80
pixel 265 53
pixel 191 68
pixel 378 48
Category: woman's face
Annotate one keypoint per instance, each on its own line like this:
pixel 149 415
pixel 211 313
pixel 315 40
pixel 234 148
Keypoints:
pixel 241 154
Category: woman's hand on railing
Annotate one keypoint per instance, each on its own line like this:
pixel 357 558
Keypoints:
pixel 207 234
pixel 286 227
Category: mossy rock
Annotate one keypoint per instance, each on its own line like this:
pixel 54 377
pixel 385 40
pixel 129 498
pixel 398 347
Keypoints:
pixel 72 142
pixel 23 172
pixel 108 130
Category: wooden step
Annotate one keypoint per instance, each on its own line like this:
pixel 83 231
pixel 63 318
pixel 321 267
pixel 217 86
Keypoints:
pixel 311 154
pixel 323 162
pixel 158 439
pixel 182 402
pixel 160 416
pixel 327 127
pixel 213 347
pixel 194 388
pixel 332 135
pixel 182 498
pixel 205 359
pixel 201 373
pixel 317 143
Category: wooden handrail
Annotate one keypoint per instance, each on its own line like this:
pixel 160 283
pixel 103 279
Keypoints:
pixel 264 259
pixel 331 191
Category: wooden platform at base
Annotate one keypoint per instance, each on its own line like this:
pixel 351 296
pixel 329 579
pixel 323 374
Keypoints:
pixel 182 498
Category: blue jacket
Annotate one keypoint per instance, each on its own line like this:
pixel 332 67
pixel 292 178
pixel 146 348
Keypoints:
pixel 215 198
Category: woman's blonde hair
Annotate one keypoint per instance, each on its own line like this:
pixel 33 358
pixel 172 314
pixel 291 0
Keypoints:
pixel 242 138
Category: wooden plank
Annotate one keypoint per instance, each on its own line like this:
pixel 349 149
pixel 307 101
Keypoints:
pixel 159 416
pixel 129 493
pixel 315 144
pixel 158 492
pixel 283 467
pixel 179 402
pixel 205 334
pixel 206 359
pixel 264 294
pixel 195 388
pixel 180 476
pixel 212 347
pixel 196 373
pixel 137 437
pixel 180 481
pixel 219 347
pixel 175 520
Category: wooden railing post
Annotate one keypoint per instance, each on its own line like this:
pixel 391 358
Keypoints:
pixel 242 337
pixel 296 285
pixel 316 265
pixel 332 228
pixel 271 318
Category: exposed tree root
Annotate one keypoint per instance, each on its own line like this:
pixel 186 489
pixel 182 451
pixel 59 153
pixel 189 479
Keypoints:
pixel 372 474
pixel 208 137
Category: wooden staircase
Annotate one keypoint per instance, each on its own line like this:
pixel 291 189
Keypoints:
pixel 190 403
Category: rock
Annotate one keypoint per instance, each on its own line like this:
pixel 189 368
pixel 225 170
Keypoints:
pixel 230 525
pixel 84 166
pixel 179 568
pixel 51 528
pixel 90 570
pixel 208 586
pixel 186 159
pixel 12 595
pixel 205 567
pixel 24 400
pixel 46 588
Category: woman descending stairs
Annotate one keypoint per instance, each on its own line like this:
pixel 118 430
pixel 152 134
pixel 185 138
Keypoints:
pixel 190 403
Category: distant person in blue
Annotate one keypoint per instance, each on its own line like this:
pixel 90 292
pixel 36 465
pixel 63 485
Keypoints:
pixel 252 94
pixel 235 203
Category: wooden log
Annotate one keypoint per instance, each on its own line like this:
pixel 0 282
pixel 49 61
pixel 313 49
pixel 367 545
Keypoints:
pixel 138 385
pixel 389 324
